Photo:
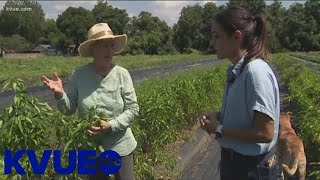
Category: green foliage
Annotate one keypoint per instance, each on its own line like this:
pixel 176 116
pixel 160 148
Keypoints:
pixel 304 89
pixel 75 23
pixel 9 20
pixel 149 35
pixel 209 11
pixel 116 18
pixel 255 7
pixel 25 23
pixel 312 9
pixel 275 14
pixel 23 122
pixel 308 57
pixel 52 35
pixel 31 69
pixel 304 37
pixel 28 124
pixel 15 43
pixel 32 21
pixel 187 31
pixel 168 105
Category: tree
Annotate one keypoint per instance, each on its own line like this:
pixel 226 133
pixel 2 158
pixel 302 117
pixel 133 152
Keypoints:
pixel 32 21
pixel 255 7
pixel 52 35
pixel 209 11
pixel 149 35
pixel 27 21
pixel 275 14
pixel 300 30
pixel 9 21
pixel 75 23
pixel 14 43
pixel 187 31
pixel 312 8
pixel 116 18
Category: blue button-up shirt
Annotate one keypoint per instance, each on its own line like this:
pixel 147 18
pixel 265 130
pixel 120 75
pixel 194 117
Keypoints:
pixel 255 89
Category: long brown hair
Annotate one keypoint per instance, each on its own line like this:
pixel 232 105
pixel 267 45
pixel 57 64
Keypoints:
pixel 253 28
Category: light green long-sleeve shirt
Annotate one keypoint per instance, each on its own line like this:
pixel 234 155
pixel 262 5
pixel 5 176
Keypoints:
pixel 114 96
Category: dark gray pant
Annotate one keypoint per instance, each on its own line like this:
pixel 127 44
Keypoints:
pixel 236 166
pixel 125 172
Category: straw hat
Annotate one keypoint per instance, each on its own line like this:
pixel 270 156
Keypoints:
pixel 102 31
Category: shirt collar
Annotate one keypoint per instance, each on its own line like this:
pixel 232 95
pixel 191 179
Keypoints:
pixel 237 68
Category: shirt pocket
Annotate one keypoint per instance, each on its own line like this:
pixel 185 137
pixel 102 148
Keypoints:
pixel 111 97
pixel 111 92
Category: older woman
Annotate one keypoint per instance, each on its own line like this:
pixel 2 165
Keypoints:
pixel 108 86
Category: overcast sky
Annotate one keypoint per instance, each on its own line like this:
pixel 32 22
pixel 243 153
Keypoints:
pixel 165 10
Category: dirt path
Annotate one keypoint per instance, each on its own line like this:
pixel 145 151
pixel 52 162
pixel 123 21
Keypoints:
pixel 204 166
pixel 283 90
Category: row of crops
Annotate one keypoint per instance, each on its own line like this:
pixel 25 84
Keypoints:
pixel 167 106
pixel 309 57
pixel 30 69
pixel 304 95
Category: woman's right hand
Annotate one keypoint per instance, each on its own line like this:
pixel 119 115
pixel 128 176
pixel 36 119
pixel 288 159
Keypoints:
pixel 55 85
pixel 209 122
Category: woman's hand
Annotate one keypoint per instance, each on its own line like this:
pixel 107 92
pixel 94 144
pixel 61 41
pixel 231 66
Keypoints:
pixel 209 122
pixel 55 85
pixel 98 129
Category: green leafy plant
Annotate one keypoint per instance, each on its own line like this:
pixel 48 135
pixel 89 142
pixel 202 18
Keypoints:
pixel 28 124
pixel 304 89
pixel 167 106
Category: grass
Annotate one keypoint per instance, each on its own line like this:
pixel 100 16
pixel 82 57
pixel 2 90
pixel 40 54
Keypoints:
pixel 31 69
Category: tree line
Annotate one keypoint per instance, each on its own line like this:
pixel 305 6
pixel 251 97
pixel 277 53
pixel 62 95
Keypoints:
pixel 296 28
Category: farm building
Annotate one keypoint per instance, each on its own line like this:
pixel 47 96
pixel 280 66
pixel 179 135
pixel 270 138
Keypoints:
pixel 45 49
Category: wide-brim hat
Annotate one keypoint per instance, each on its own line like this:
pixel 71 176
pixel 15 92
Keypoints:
pixel 102 31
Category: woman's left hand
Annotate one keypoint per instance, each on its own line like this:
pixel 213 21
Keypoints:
pixel 104 126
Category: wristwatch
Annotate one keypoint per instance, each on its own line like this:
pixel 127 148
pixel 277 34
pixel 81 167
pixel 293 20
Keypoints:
pixel 219 132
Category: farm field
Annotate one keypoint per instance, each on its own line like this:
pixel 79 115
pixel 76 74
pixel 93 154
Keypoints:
pixel 168 49
pixel 304 97
pixel 312 57
pixel 45 95
pixel 170 105
pixel 31 69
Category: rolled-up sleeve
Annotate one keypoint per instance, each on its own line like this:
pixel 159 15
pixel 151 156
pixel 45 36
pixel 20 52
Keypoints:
pixel 131 107
pixel 67 104
pixel 262 93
